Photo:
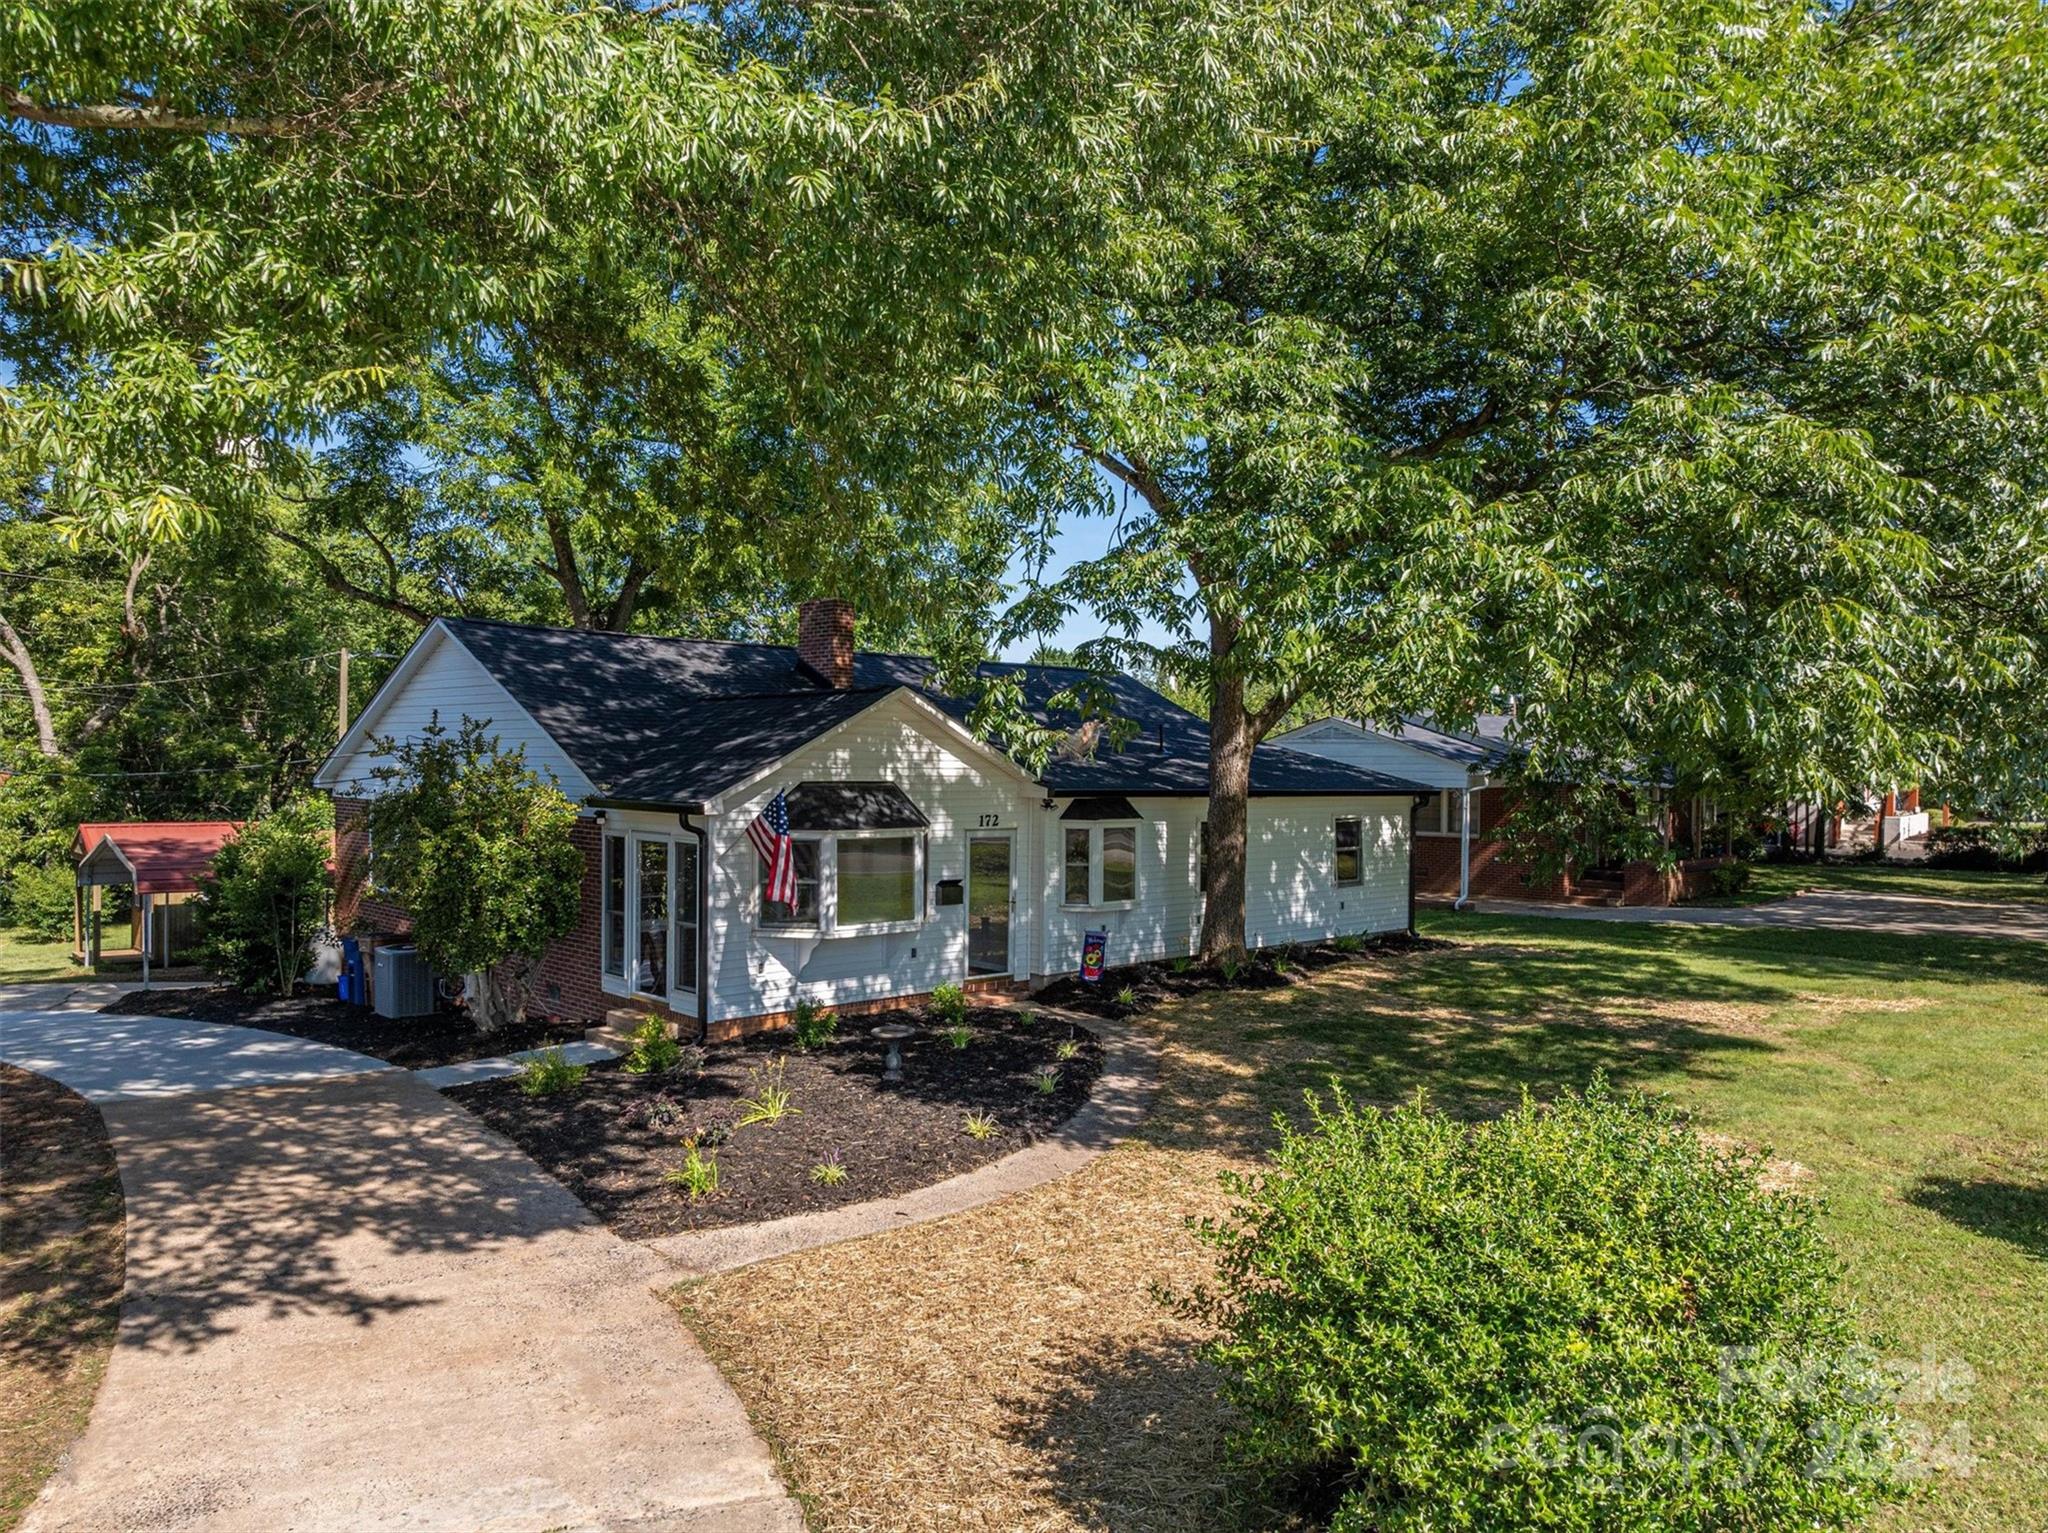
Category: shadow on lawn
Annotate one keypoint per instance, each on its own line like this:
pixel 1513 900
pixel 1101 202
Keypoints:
pixel 2015 1212
pixel 1526 1004
pixel 1130 1435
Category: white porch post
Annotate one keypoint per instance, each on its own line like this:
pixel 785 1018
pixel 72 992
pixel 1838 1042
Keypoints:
pixel 145 943
pixel 1465 845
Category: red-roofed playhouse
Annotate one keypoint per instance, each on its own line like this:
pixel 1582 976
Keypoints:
pixel 158 863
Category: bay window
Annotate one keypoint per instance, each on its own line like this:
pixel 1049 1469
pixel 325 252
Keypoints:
pixel 803 911
pixel 877 880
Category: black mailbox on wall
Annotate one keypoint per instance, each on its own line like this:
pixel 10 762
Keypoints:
pixel 951 892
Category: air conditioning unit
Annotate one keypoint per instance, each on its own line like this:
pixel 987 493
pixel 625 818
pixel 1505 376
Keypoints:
pixel 404 984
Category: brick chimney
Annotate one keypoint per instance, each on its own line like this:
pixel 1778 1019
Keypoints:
pixel 824 640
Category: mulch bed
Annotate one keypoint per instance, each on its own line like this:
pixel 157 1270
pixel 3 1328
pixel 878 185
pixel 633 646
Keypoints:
pixel 1134 988
pixel 316 1014
pixel 611 1139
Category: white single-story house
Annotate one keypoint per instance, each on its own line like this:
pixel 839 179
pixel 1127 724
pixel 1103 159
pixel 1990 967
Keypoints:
pixel 924 853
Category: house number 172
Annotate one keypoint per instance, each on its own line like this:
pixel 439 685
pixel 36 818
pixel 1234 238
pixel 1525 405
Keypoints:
pixel 990 821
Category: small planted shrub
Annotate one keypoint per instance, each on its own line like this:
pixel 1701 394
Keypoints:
pixel 653 1051
pixel 949 1004
pixel 1066 1049
pixel 830 1171
pixel 710 1136
pixel 1350 943
pixel 696 1177
pixel 1728 880
pixel 813 1028
pixel 549 1072
pixel 960 1036
pixel 979 1125
pixel 1126 997
pixel 768 1100
pixel 1282 963
pixel 1046 1081
pixel 1182 964
pixel 1576 1317
pixel 665 1115
pixel 1230 968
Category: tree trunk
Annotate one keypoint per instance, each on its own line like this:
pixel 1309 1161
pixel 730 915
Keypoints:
pixel 1230 780
pixel 32 684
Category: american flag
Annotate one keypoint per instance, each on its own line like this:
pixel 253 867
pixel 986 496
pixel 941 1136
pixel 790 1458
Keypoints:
pixel 770 833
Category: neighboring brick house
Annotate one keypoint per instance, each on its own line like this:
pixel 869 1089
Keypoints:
pixel 1458 853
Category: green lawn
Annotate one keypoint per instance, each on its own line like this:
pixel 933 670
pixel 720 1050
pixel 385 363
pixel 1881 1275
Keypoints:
pixel 1781 880
pixel 1909 1079
pixel 1904 1083
pixel 24 957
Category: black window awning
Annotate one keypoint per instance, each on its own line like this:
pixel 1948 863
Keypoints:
pixel 853 806
pixel 1101 806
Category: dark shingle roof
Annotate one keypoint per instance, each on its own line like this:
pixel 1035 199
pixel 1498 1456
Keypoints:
pixel 677 721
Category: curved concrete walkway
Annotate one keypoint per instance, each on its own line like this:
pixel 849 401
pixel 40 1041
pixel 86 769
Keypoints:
pixel 1907 915
pixel 1117 1105
pixel 350 1306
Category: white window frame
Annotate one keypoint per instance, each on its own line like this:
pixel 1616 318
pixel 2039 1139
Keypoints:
pixel 1095 828
pixel 908 923
pixel 681 994
pixel 609 919
pixel 1437 819
pixel 769 928
pixel 634 842
pixel 1357 881
pixel 828 924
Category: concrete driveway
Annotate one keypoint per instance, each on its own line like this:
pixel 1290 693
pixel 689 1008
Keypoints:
pixel 1908 915
pixel 349 1306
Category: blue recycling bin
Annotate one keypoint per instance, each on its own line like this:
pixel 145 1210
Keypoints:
pixel 349 984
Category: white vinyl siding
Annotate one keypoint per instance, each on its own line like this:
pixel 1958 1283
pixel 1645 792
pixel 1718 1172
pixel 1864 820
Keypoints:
pixel 1341 741
pixel 448 680
pixel 759 970
pixel 1291 893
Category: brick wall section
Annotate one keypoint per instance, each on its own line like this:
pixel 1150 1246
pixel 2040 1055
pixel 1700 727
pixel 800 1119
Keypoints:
pixel 356 910
pixel 1495 877
pixel 565 981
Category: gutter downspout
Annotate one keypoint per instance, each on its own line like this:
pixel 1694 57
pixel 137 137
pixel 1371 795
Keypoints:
pixel 1465 845
pixel 1415 804
pixel 703 835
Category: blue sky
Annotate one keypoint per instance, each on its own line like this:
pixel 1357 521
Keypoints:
pixel 1078 540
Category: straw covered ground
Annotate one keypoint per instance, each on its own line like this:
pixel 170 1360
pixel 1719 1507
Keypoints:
pixel 1013 1367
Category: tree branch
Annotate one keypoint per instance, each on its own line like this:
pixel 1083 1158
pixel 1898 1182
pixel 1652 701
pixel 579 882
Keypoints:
pixel 152 119
pixel 1450 436
pixel 336 581
pixel 32 683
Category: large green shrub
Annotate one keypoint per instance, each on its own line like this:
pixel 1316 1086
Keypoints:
pixel 40 900
pixel 265 896
pixel 1576 1317
pixel 478 849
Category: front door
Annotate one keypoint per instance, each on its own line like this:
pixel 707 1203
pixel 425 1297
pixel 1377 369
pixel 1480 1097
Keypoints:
pixel 988 905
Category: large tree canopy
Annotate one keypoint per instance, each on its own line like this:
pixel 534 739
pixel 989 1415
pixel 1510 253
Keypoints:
pixel 226 222
pixel 1675 366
